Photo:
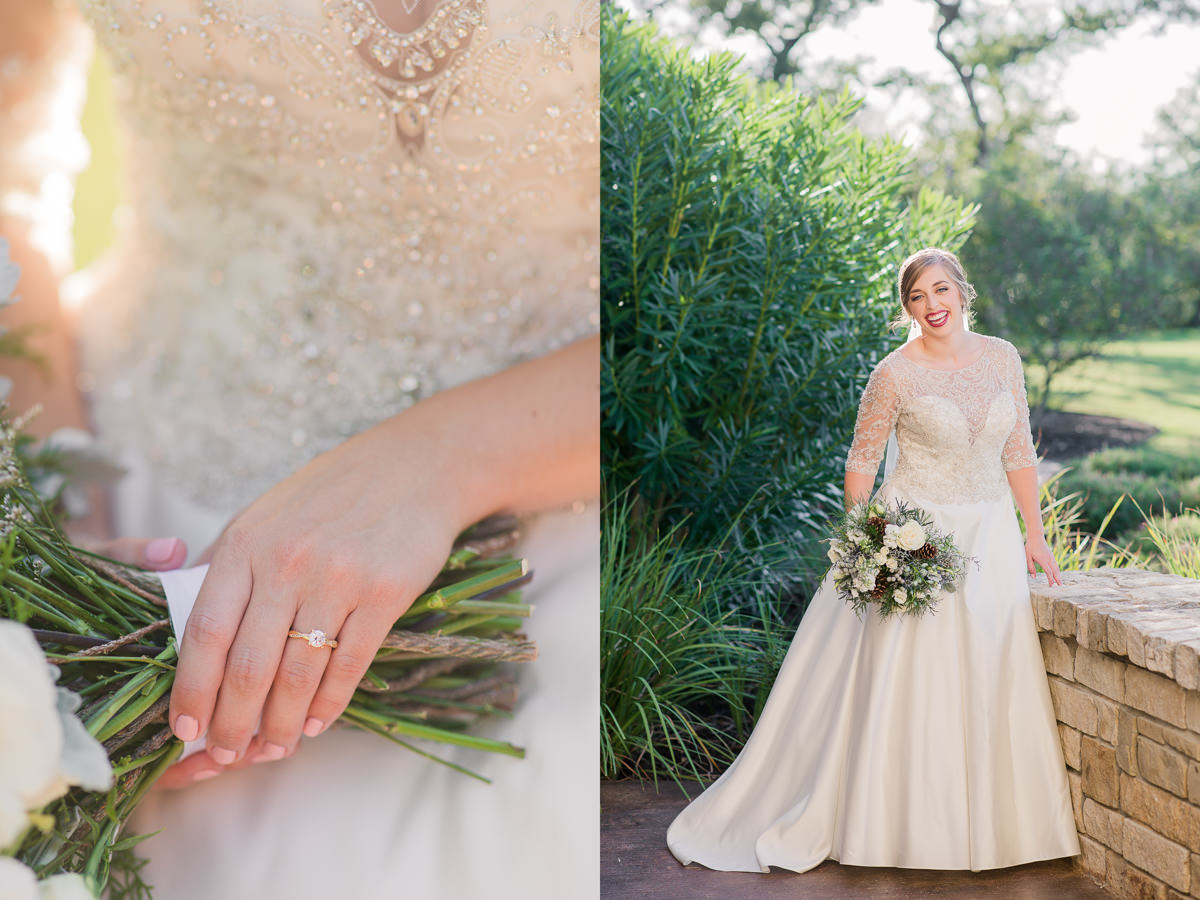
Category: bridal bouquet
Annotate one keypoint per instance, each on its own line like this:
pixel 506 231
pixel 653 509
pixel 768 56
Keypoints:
pixel 87 660
pixel 892 557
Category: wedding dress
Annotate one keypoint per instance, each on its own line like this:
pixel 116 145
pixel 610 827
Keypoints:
pixel 913 742
pixel 334 209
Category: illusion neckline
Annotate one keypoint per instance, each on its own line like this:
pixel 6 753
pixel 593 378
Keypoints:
pixel 982 353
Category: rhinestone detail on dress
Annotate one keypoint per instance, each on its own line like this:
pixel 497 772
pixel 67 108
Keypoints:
pixel 957 432
pixel 296 262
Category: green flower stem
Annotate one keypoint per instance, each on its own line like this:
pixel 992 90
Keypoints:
pixel 82 584
pixel 468 587
pixel 492 606
pixel 40 591
pixel 126 694
pixel 96 869
pixel 374 729
pixel 360 715
pixel 133 711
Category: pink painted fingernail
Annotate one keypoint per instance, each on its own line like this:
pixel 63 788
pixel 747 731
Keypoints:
pixel 221 756
pixel 187 728
pixel 272 751
pixel 313 726
pixel 160 550
pixel 205 774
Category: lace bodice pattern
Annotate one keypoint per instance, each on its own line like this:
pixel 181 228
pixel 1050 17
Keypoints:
pixel 957 431
pixel 335 208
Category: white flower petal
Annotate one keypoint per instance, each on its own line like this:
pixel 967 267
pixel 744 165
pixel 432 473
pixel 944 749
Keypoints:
pixel 17 881
pixel 31 739
pixel 83 760
pixel 68 886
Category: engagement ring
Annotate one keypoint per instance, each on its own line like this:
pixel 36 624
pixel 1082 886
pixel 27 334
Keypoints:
pixel 315 638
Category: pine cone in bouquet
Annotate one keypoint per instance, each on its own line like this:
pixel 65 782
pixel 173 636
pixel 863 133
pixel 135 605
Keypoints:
pixel 926 551
pixel 877 525
pixel 880 588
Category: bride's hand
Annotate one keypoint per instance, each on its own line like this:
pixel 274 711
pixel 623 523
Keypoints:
pixel 344 545
pixel 349 541
pixel 1037 552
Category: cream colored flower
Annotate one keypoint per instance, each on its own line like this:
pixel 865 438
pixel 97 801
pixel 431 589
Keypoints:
pixel 31 740
pixel 44 748
pixel 68 886
pixel 17 881
pixel 912 535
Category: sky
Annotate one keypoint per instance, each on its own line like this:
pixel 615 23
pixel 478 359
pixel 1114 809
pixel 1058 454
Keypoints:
pixel 1114 89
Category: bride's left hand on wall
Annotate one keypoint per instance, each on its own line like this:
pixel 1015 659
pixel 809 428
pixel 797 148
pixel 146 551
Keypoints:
pixel 1037 553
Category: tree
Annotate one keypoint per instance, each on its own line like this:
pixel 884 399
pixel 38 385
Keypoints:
pixel 1065 261
pixel 779 25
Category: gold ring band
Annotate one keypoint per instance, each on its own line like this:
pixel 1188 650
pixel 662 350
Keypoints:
pixel 315 638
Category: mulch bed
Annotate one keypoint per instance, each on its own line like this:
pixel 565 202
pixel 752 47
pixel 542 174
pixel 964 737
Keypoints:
pixel 1066 435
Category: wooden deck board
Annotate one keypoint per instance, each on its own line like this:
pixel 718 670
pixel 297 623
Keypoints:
pixel 635 863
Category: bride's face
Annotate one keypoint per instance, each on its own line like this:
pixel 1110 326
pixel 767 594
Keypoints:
pixel 935 302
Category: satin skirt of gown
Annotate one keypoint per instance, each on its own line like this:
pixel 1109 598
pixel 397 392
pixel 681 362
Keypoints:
pixel 351 815
pixel 912 742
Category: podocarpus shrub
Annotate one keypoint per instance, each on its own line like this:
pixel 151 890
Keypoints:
pixel 750 242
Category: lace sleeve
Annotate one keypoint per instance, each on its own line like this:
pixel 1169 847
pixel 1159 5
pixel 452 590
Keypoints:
pixel 877 412
pixel 1018 449
pixel 45 51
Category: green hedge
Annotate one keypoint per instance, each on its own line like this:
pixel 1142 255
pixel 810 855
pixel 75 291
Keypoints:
pixel 750 243
pixel 1159 482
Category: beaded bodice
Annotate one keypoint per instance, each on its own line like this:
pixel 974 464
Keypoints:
pixel 957 431
pixel 336 207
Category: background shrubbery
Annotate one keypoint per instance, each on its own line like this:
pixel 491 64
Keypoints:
pixel 751 239
pixel 1160 483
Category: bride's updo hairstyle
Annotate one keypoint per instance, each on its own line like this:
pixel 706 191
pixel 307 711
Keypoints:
pixel 910 271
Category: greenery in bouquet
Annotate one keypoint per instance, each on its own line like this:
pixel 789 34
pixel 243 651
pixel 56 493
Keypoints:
pixel 76 758
pixel 891 557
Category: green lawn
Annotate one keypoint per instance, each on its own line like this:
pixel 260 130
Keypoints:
pixel 1152 378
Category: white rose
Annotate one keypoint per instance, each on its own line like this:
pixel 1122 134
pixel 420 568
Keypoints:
pixel 912 535
pixel 31 740
pixel 900 596
pixel 68 886
pixel 892 563
pixel 882 556
pixel 17 881
pixel 44 748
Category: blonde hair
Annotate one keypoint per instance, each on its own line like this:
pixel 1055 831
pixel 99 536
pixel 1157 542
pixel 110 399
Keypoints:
pixel 910 271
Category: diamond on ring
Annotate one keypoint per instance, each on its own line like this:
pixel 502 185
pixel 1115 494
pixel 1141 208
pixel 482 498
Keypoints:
pixel 315 638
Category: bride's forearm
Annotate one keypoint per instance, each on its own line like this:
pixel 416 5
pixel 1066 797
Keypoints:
pixel 1024 486
pixel 522 440
pixel 857 488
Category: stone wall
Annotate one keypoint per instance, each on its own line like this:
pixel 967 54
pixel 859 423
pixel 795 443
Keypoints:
pixel 1122 651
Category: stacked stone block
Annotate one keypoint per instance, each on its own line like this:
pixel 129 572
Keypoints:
pixel 1122 652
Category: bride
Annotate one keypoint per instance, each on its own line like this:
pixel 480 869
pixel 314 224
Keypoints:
pixel 351 310
pixel 923 742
